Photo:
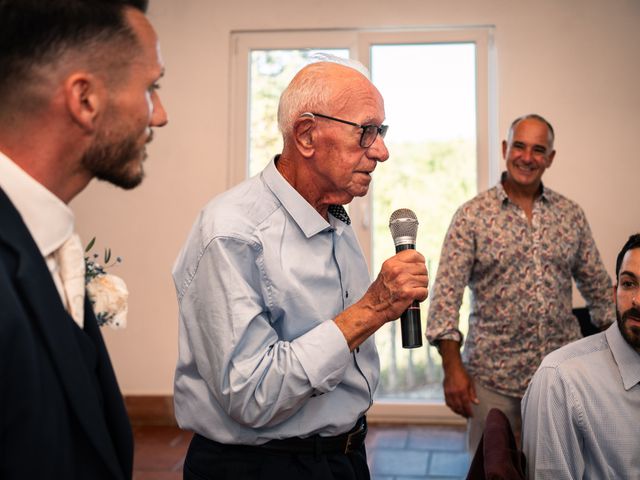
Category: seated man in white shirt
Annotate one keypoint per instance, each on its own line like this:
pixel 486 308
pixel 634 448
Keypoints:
pixel 582 407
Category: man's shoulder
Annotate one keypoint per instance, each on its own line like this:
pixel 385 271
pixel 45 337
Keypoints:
pixel 239 210
pixel 485 200
pixel 561 201
pixel 576 353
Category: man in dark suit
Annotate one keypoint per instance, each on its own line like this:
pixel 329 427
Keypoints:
pixel 78 98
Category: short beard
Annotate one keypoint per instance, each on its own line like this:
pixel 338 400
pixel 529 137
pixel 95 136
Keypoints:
pixel 110 162
pixel 630 333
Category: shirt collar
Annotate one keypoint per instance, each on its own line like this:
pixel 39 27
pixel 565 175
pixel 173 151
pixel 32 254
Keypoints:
pixel 305 216
pixel 49 220
pixel 503 197
pixel 627 359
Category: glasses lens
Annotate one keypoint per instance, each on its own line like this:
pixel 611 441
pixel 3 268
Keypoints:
pixel 369 134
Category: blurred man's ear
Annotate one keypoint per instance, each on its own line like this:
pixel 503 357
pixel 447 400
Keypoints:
pixel 504 149
pixel 84 99
pixel 552 155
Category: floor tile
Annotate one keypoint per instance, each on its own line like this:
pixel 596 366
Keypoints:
pixel 400 462
pixel 437 438
pixel 159 448
pixel 449 464
pixel 157 476
pixel 387 437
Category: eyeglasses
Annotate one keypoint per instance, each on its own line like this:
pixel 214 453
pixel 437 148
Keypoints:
pixel 369 132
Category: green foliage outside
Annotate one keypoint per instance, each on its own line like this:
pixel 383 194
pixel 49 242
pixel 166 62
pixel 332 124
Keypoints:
pixel 433 179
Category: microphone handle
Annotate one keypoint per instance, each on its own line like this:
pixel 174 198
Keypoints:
pixel 410 325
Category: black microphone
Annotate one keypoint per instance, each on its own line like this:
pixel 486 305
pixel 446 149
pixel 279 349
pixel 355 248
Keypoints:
pixel 404 229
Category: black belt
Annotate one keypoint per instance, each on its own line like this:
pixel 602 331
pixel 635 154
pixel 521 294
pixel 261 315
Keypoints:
pixel 316 444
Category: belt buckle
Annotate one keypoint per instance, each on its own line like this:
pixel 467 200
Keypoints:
pixel 347 446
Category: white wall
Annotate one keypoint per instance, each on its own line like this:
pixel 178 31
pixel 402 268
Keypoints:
pixel 576 62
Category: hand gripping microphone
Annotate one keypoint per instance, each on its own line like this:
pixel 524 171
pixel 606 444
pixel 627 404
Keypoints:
pixel 404 229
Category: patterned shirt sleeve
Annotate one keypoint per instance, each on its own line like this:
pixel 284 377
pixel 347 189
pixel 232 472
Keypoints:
pixel 592 279
pixel 456 261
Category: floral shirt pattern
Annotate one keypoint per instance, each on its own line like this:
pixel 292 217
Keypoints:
pixel 519 275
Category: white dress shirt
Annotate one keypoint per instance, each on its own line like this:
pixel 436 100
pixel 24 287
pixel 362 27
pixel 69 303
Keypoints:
pixel 581 411
pixel 49 220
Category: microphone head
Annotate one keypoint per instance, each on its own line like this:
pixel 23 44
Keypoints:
pixel 403 224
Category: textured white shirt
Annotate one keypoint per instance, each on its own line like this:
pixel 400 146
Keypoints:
pixel 49 220
pixel 581 412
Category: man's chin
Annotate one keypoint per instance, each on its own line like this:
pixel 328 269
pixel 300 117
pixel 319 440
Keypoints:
pixel 359 190
pixel 126 180
pixel 630 329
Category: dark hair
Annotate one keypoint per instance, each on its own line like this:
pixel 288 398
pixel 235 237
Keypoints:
pixel 38 32
pixel 633 242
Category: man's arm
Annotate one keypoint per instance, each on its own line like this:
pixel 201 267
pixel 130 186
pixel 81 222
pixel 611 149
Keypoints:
pixel 259 379
pixel 402 279
pixel 456 261
pixel 592 279
pixel 459 390
pixel 551 439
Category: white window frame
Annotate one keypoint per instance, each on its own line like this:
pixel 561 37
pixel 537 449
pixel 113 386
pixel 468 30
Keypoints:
pixel 359 42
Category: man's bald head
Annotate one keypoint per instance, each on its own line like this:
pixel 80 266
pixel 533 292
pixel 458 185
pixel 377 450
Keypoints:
pixel 319 87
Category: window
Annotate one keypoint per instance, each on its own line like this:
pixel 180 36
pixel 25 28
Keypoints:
pixel 436 89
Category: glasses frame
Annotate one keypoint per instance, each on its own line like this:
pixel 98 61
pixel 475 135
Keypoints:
pixel 380 130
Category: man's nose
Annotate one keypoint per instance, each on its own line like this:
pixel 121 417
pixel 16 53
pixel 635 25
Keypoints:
pixel 159 116
pixel 378 150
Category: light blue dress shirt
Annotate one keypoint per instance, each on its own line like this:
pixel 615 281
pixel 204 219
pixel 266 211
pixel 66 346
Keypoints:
pixel 581 412
pixel 259 282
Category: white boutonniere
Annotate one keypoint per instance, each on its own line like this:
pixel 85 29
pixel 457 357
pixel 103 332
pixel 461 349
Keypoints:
pixel 108 293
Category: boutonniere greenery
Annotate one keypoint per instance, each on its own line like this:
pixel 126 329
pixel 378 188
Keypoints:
pixel 108 293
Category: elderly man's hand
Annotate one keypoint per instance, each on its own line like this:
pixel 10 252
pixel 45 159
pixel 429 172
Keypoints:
pixel 403 278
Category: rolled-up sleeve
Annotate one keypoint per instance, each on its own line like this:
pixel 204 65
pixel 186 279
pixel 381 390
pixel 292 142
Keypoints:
pixel 456 262
pixel 592 279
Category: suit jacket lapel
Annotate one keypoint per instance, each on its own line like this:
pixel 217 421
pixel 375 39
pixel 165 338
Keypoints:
pixel 50 317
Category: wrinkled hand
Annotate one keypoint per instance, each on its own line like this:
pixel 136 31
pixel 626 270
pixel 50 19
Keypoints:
pixel 403 278
pixel 459 390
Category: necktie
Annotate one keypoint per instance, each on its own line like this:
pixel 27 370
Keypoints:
pixel 70 257
pixel 340 213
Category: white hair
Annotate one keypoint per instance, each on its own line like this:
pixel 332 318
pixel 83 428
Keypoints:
pixel 309 91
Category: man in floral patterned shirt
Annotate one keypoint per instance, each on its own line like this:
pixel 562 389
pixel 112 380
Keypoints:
pixel 516 246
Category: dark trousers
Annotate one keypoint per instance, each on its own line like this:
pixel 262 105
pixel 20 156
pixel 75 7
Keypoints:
pixel 208 460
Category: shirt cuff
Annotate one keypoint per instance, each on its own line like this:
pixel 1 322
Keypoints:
pixel 453 334
pixel 324 355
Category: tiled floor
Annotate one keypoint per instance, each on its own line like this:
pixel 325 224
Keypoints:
pixel 395 453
